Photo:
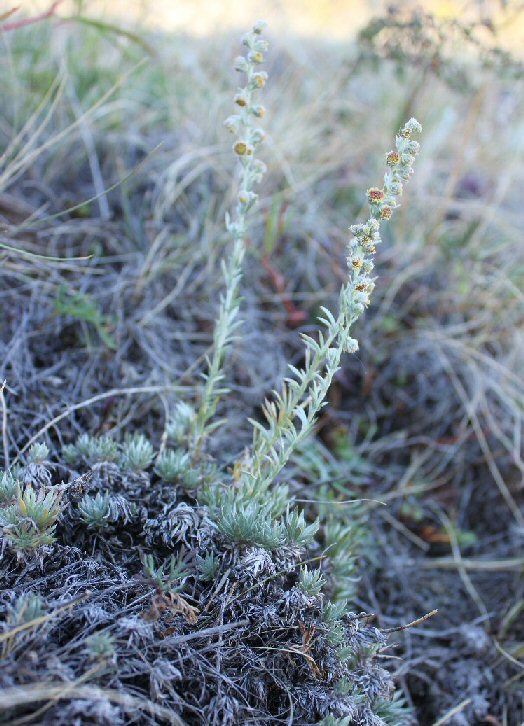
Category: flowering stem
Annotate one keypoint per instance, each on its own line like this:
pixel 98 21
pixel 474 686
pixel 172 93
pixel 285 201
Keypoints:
pixel 292 414
pixel 248 139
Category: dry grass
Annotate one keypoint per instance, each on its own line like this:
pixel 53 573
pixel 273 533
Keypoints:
pixel 428 418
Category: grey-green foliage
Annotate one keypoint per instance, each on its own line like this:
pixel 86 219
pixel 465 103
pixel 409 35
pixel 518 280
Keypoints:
pixel 166 577
pixel 248 138
pixel 137 453
pixel 333 611
pixel 8 488
pixel 292 413
pixel 91 450
pixel 25 608
pixel 31 522
pixel 38 454
pixel 70 454
pixel 332 614
pixel 247 514
pixel 341 540
pixel 344 687
pixel 172 465
pixel 394 712
pixel 311 581
pixel 100 646
pixel 181 423
pixel 344 530
pixel 191 478
pixel 333 721
pixel 207 566
pixel 95 511
pixel 275 498
pixel 298 532
pixel 100 511
pixel 257 514
pixel 251 523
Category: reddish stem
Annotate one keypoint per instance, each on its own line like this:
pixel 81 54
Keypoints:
pixel 6 27
pixel 294 315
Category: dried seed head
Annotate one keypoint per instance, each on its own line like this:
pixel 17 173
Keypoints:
pixel 255 56
pixel 259 79
pixel 375 195
pixel 242 148
pixel 241 99
pixel 393 158
pixel 368 244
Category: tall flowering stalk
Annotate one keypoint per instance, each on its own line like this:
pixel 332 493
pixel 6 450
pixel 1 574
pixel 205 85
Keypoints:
pixel 291 414
pixel 248 138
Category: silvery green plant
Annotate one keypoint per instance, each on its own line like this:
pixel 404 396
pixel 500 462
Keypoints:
pixel 168 576
pixel 102 510
pixel 332 613
pixel 174 466
pixel 251 522
pixel 181 423
pixel 38 454
pixel 259 516
pixel 137 453
pixel 95 511
pixel 298 532
pixel 171 465
pixel 8 488
pixel 251 512
pixel 341 540
pixel 30 523
pixel 311 582
pixel 26 608
pixel 334 721
pixel 248 138
pixel 291 414
pixel 91 450
pixel 191 478
pixel 207 566
pixel 100 646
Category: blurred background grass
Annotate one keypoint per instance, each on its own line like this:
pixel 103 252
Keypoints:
pixel 335 19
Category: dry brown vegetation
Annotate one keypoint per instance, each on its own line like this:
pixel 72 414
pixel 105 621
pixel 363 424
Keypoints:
pixel 114 180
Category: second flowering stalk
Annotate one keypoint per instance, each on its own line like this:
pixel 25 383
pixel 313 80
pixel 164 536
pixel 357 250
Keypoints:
pixel 291 414
pixel 249 136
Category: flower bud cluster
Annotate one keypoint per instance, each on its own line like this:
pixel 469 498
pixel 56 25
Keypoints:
pixel 241 124
pixel 382 202
pixel 361 246
pixel 399 169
